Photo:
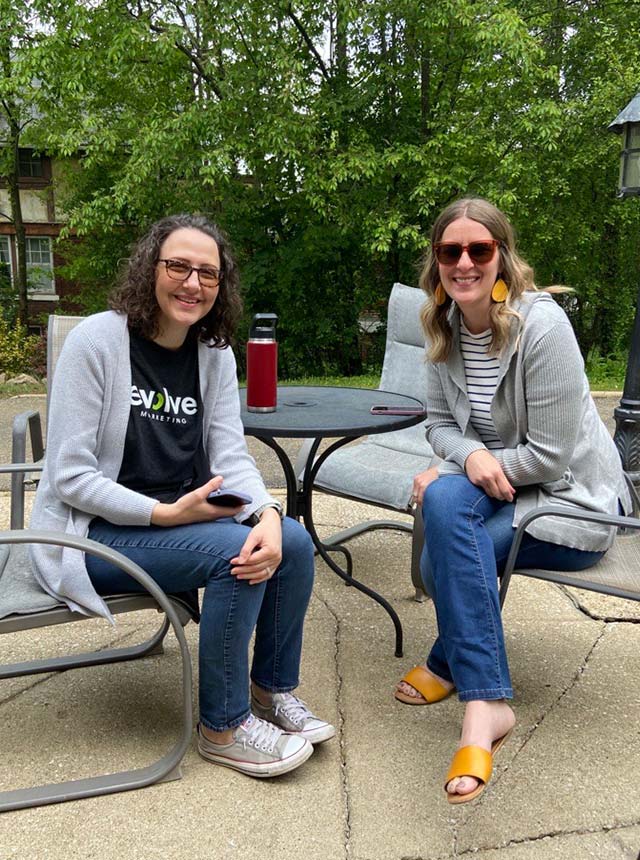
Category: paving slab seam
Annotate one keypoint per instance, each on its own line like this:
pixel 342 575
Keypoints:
pixel 552 834
pixel 532 840
pixel 608 619
pixel 497 775
pixel 340 728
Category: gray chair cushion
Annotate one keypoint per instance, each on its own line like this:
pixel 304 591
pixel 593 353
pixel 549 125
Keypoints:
pixel 20 594
pixel 372 473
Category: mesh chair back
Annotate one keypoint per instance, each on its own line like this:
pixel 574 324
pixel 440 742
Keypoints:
pixel 58 329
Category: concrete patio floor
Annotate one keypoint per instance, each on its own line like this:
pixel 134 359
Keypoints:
pixel 565 785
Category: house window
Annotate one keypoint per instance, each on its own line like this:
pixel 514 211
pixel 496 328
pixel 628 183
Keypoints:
pixel 29 164
pixel 40 265
pixel 5 264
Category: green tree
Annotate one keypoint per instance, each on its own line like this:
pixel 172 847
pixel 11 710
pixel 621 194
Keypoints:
pixel 325 137
pixel 18 36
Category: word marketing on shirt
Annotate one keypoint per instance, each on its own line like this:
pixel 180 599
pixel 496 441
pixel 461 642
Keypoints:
pixel 161 406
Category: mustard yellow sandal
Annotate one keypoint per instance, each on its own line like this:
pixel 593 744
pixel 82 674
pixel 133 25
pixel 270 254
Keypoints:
pixel 430 689
pixel 475 762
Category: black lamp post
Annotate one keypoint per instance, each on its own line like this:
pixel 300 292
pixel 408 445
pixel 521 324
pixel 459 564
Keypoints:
pixel 627 415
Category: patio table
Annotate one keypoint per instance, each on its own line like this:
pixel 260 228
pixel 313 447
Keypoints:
pixel 326 412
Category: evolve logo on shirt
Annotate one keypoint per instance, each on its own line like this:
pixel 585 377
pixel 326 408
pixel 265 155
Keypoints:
pixel 162 406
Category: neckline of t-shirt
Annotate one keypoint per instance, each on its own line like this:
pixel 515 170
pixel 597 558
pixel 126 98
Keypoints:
pixel 466 331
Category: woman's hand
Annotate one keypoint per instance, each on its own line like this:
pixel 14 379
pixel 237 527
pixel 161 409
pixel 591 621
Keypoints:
pixel 193 507
pixel 421 482
pixel 262 551
pixel 484 471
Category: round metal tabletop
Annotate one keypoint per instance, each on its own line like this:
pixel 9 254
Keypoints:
pixel 319 411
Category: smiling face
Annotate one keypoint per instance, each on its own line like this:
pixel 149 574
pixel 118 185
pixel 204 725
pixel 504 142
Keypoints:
pixel 469 284
pixel 183 303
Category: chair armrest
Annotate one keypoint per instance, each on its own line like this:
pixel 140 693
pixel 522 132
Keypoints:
pixel 568 514
pixel 16 470
pixel 22 536
pixel 13 468
pixel 26 424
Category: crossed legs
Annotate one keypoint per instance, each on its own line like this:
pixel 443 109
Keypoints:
pixel 467 539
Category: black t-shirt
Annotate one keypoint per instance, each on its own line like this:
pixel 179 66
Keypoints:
pixel 163 453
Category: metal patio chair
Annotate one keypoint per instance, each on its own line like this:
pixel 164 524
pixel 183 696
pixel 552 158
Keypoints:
pixel 380 469
pixel 617 574
pixel 24 605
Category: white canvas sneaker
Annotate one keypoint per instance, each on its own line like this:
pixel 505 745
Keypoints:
pixel 291 714
pixel 258 749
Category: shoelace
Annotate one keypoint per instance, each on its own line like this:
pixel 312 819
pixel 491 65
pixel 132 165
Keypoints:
pixel 261 734
pixel 293 708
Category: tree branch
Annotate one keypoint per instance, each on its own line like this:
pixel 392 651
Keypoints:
pixel 308 42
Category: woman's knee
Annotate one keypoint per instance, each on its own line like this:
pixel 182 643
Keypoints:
pixel 442 499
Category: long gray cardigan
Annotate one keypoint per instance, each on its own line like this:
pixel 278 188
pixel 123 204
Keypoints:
pixel 87 424
pixel 556 449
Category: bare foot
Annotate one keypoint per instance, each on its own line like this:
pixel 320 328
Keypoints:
pixel 408 690
pixel 484 722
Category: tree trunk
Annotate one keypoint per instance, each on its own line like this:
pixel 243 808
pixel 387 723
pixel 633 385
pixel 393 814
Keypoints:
pixel 13 178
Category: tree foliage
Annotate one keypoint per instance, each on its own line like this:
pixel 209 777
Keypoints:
pixel 325 137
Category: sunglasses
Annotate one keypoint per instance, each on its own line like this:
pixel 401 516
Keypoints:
pixel 448 253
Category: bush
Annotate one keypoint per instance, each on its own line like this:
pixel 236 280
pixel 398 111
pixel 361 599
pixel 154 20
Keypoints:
pixel 18 350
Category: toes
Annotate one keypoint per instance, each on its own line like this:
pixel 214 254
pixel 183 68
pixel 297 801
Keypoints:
pixel 408 690
pixel 462 785
pixel 453 785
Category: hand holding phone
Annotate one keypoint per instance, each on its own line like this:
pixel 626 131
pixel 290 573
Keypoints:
pixel 228 498
pixel 398 410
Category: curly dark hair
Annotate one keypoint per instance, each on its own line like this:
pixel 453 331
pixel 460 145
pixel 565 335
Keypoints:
pixel 135 294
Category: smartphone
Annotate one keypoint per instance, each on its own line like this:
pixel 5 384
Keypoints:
pixel 397 410
pixel 228 498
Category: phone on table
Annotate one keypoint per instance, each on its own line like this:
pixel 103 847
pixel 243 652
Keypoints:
pixel 228 498
pixel 397 410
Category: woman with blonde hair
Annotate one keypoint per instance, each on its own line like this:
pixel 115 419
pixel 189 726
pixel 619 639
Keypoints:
pixel 511 418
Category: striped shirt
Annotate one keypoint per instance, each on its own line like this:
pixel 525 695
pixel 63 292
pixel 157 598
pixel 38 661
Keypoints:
pixel 481 372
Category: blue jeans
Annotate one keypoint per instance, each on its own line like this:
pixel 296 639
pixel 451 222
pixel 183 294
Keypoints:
pixel 197 556
pixel 468 536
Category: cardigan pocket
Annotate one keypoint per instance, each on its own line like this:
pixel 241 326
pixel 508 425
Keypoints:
pixel 566 482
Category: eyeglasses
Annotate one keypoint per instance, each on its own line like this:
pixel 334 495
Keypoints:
pixel 448 253
pixel 179 271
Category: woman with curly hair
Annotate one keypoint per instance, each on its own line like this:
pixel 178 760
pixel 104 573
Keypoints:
pixel 511 418
pixel 144 424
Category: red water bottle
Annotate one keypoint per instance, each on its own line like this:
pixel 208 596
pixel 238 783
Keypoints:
pixel 262 364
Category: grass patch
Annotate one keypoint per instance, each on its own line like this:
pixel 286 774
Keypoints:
pixel 606 373
pixel 7 390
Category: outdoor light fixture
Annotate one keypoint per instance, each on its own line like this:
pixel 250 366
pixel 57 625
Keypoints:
pixel 627 123
pixel 627 415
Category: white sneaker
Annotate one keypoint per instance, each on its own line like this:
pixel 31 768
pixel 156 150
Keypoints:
pixel 258 749
pixel 291 714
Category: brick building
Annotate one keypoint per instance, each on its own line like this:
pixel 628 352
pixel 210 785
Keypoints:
pixel 43 221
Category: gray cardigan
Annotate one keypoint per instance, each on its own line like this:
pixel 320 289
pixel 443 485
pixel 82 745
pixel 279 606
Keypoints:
pixel 556 449
pixel 86 428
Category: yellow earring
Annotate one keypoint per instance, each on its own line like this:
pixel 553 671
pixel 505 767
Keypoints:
pixel 439 295
pixel 500 291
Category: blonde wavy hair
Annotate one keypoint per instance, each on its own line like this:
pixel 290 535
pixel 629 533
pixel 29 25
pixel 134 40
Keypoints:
pixel 514 271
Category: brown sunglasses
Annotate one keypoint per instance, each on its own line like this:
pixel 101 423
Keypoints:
pixel 448 253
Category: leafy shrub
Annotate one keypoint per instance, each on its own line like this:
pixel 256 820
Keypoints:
pixel 18 350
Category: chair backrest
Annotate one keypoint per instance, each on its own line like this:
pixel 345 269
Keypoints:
pixel 57 331
pixel 404 370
